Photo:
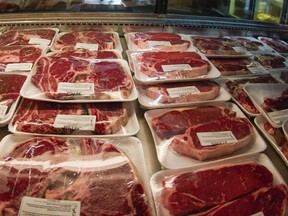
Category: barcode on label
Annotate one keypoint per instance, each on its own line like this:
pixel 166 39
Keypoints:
pixel 76 88
pixel 256 70
pixel 216 138
pixel 18 67
pixel 87 46
pixel 167 68
pixel 75 122
pixel 158 43
pixel 182 91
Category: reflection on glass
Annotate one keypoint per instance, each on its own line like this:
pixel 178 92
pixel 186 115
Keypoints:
pixel 240 9
pixel 268 11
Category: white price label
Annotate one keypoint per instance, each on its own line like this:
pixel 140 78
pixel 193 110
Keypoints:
pixel 174 67
pixel 31 206
pixel 182 91
pixel 258 214
pixel 76 88
pixel 3 110
pixel 240 49
pixel 87 46
pixel 18 67
pixel 216 138
pixel 158 43
pixel 278 116
pixel 256 70
pixel 76 122
pixel 39 41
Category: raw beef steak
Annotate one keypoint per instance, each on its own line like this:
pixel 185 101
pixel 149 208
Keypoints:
pixel 39 117
pixel 10 86
pixel 284 76
pixel 68 41
pixel 267 200
pixel 276 44
pixel 164 41
pixel 235 87
pixel 18 54
pixel 270 60
pixel 216 46
pixel 277 103
pixel 249 44
pixel 87 54
pixel 23 36
pixel 196 191
pixel 189 144
pixel 51 149
pixel 187 91
pixel 109 78
pixel 232 67
pixel 172 64
pixel 176 121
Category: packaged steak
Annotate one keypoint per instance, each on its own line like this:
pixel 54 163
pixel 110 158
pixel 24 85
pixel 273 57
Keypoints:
pixel 237 66
pixel 87 54
pixel 43 5
pixel 234 85
pixel 271 61
pixel 157 41
pixel 36 36
pixel 248 185
pixel 70 79
pixel 278 45
pixel 73 176
pixel 173 94
pixel 155 67
pixel 201 134
pixel 20 57
pixel 74 119
pixel 275 136
pixel 90 40
pixel 219 46
pixel 11 5
pixel 271 100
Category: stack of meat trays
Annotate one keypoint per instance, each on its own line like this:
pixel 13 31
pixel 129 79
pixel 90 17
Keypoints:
pixel 19 50
pixel 271 101
pixel 170 72
pixel 72 134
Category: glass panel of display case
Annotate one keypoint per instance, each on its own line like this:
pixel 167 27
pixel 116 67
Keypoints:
pixel 268 10
pixel 241 9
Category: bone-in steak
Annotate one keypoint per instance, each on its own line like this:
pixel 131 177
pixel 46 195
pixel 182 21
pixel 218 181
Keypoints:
pixel 172 64
pixel 196 191
pixel 109 77
pixel 190 145
pixel 174 122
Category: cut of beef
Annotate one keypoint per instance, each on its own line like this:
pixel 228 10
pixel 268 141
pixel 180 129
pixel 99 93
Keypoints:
pixel 265 201
pixel 10 86
pixel 187 91
pixel 216 46
pixel 176 121
pixel 110 117
pixel 23 36
pixel 110 78
pixel 107 183
pixel 172 64
pixel 196 191
pixel 276 44
pixel 235 88
pixel 68 41
pixel 51 149
pixel 250 44
pixel 162 41
pixel 87 54
pixel 232 67
pixel 270 60
pixel 189 144
pixel 39 117
pixel 18 54
pixel 278 103
pixel 284 76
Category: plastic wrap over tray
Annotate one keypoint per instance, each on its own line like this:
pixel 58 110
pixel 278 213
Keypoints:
pixel 74 119
pixel 165 95
pixel 271 61
pixel 157 41
pixel 87 54
pixel 85 80
pixel 202 134
pixel 20 57
pixel 90 175
pixel 91 40
pixel 42 5
pixel 10 86
pixel 36 36
pixel 156 67
pixel 278 45
pixel 226 187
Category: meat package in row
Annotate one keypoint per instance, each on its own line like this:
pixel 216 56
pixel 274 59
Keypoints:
pixel 201 134
pixel 94 176
pixel 249 185
pixel 90 119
